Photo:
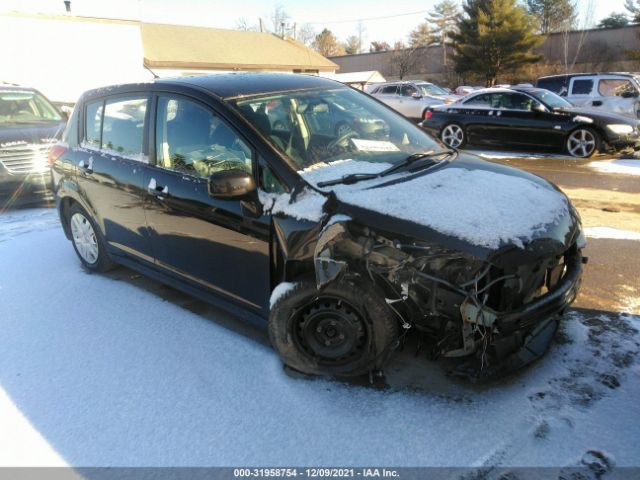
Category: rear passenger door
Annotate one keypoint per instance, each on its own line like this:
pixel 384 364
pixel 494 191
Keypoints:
pixel 581 92
pixel 110 171
pixel 219 245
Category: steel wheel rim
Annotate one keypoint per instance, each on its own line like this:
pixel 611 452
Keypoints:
pixel 452 135
pixel 84 238
pixel 581 143
pixel 331 331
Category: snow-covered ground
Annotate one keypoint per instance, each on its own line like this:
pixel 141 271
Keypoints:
pixel 97 371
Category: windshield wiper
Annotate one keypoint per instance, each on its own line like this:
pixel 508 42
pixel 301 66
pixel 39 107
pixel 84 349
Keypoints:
pixel 357 177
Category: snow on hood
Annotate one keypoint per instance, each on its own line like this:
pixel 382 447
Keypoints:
pixel 308 204
pixel 483 207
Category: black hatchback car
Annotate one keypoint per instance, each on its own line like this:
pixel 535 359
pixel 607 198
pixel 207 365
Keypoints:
pixel 530 119
pixel 345 241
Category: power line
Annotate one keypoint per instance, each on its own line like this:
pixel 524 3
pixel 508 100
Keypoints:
pixel 383 17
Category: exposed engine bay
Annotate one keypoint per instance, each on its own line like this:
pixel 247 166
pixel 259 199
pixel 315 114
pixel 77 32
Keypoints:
pixel 499 315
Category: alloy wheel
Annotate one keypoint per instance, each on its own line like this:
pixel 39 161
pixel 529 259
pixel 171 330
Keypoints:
pixel 84 238
pixel 581 143
pixel 452 135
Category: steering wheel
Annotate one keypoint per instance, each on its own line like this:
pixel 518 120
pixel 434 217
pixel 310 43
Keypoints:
pixel 340 141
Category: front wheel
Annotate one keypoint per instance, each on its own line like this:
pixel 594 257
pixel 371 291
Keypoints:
pixel 453 136
pixel 87 241
pixel 345 329
pixel 582 142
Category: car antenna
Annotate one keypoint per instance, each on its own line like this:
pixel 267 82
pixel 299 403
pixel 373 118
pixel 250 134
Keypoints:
pixel 152 72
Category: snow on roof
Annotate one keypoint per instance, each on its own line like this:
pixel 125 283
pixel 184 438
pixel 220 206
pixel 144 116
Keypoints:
pixel 479 206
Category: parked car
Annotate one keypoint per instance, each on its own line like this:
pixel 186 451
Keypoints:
pixel 412 99
pixel 466 90
pixel 530 118
pixel 343 243
pixel 611 92
pixel 29 125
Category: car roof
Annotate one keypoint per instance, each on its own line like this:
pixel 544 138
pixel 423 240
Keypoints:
pixel 594 74
pixel 5 86
pixel 228 85
pixel 232 85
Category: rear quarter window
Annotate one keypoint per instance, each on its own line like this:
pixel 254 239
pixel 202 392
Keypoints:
pixel 123 125
pixel 581 87
pixel 93 122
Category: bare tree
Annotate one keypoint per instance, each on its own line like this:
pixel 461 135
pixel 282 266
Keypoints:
pixel 243 24
pixel 585 23
pixel 305 34
pixel 403 58
pixel 362 30
pixel 352 45
pixel 280 20
pixel 379 46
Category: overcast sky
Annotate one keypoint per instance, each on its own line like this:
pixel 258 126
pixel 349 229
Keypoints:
pixel 383 19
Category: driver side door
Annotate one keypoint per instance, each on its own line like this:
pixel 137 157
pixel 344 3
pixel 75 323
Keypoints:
pixel 220 245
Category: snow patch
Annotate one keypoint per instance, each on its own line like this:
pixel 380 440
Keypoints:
pixel 280 291
pixel 138 157
pixel 628 167
pixel 613 233
pixel 582 119
pixel 307 205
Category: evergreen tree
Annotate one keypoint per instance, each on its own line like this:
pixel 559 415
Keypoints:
pixel 444 20
pixel 494 36
pixel 614 20
pixel 379 47
pixel 421 36
pixel 352 45
pixel 327 45
pixel 553 15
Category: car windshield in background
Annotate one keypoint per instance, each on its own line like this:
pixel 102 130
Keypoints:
pixel 26 107
pixel 322 126
pixel 431 89
pixel 550 99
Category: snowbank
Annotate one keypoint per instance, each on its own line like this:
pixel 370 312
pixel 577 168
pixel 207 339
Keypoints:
pixel 482 207
pixel 613 233
pixel 625 167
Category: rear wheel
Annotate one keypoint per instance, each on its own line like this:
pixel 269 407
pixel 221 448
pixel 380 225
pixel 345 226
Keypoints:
pixel 87 241
pixel 453 136
pixel 582 142
pixel 345 329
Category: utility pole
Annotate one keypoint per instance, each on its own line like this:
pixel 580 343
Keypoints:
pixel 261 26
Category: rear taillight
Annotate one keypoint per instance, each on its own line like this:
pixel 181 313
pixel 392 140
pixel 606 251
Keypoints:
pixel 55 152
pixel 427 115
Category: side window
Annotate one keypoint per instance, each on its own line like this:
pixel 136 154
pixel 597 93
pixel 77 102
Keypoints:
pixel 615 87
pixel 516 101
pixel 268 180
pixel 389 90
pixel 123 125
pixel 93 122
pixel 483 100
pixel 581 87
pixel 408 90
pixel 555 85
pixel 191 139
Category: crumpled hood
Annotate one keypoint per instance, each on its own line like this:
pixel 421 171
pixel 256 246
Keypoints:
pixel 468 204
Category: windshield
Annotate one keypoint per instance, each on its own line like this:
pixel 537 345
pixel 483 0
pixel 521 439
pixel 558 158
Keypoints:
pixel 322 126
pixel 26 107
pixel 431 89
pixel 550 99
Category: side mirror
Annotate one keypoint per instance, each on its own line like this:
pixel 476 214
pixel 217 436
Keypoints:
pixel 538 108
pixel 416 95
pixel 230 184
pixel 629 94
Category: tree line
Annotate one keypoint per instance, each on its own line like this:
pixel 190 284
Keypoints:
pixel 486 37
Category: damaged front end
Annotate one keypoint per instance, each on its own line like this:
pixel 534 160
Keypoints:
pixel 498 313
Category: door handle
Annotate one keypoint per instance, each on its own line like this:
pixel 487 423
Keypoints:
pixel 597 103
pixel 86 168
pixel 158 191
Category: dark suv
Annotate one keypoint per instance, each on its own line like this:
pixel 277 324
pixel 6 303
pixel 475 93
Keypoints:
pixel 346 241
pixel 29 125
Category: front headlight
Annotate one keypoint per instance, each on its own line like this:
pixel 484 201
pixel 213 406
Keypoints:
pixel 620 129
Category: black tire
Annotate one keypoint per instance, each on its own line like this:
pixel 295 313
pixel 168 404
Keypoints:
pixel 102 262
pixel 577 151
pixel 447 133
pixel 362 337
